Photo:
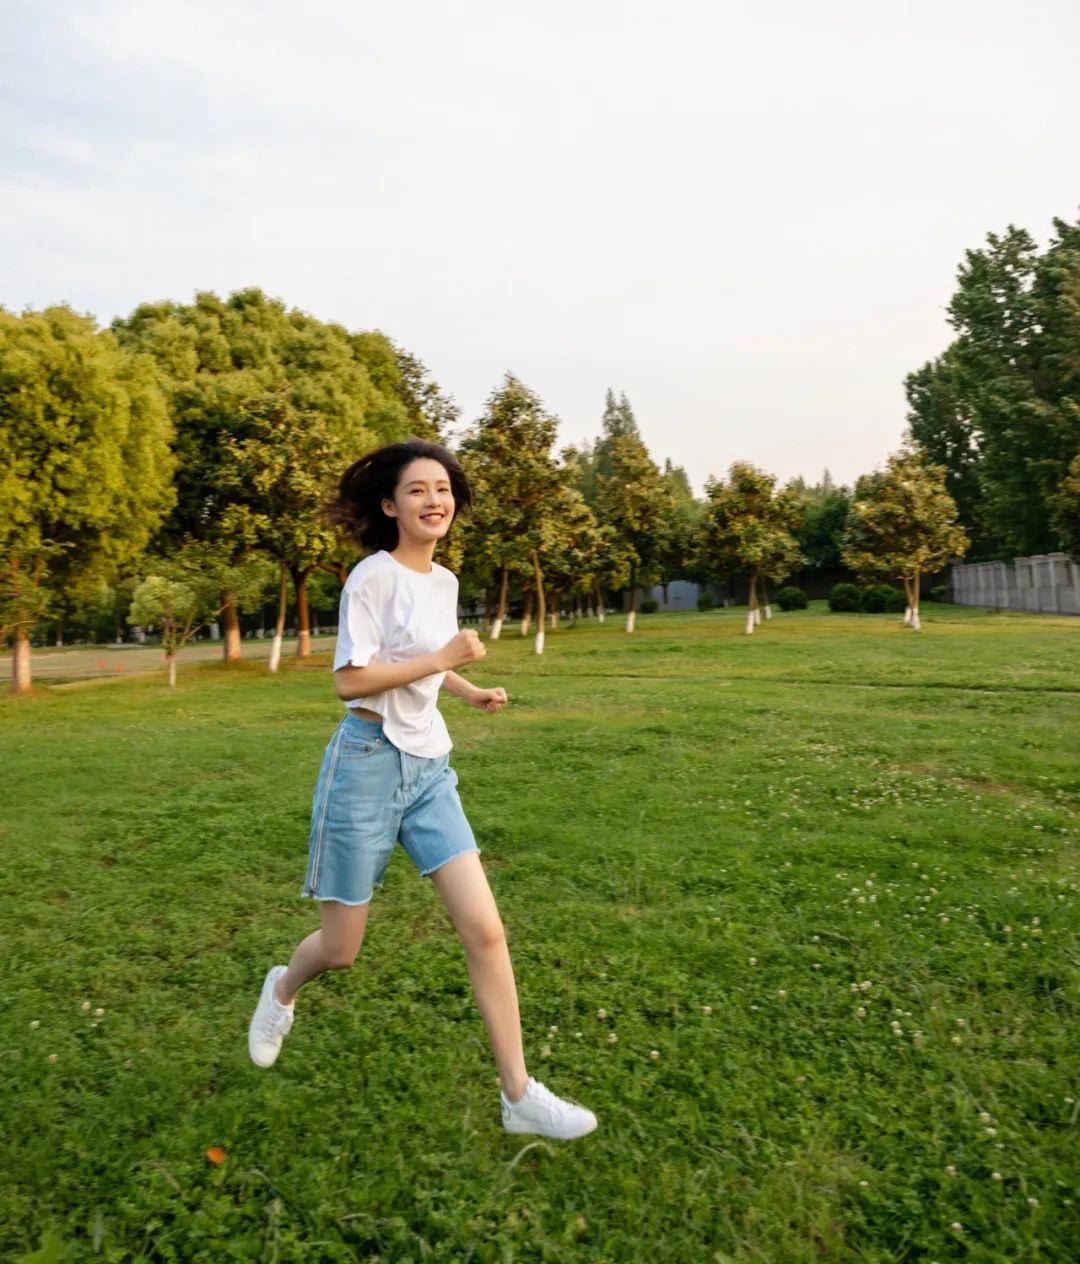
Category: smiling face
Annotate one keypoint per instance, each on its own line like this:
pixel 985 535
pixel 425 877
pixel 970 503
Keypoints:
pixel 423 502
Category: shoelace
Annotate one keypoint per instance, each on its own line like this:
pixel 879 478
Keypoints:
pixel 278 1021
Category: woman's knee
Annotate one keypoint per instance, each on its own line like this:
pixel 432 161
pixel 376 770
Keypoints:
pixel 340 955
pixel 484 933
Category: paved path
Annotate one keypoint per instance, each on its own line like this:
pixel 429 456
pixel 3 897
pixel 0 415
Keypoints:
pixel 93 662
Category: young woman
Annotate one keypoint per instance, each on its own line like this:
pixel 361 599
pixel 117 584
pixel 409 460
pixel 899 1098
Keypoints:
pixel 385 774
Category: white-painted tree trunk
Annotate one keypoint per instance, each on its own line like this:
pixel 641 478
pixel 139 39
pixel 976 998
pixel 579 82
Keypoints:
pixel 907 616
pixel 275 653
pixel 768 611
pixel 20 663
pixel 496 630
pixel 916 625
pixel 750 622
pixel 171 660
pixel 631 620
pixel 525 625
pixel 600 614
pixel 757 616
pixel 553 620
pixel 538 644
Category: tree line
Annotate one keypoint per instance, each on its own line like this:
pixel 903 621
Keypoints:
pixel 174 468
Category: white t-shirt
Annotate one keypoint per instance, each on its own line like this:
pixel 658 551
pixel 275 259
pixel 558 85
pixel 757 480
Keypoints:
pixel 390 613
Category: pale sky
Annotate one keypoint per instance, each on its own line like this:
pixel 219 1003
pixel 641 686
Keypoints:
pixel 747 217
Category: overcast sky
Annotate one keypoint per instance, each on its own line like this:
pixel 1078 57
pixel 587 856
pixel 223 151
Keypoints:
pixel 747 217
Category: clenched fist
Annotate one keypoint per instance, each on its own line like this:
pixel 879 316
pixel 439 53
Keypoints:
pixel 464 648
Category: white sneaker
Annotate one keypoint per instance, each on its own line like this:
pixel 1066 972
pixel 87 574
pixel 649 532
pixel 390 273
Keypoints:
pixel 270 1024
pixel 540 1111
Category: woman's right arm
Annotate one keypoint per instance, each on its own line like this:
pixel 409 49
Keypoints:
pixel 364 682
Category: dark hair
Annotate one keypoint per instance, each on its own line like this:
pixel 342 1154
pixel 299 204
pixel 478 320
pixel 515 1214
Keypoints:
pixel 372 479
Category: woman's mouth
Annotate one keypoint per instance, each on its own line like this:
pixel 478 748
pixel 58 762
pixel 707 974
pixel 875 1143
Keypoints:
pixel 432 519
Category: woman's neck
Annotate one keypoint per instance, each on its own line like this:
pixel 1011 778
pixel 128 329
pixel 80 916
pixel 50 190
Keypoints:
pixel 414 555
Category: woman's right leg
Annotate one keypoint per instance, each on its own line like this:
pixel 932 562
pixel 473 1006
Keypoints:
pixel 332 947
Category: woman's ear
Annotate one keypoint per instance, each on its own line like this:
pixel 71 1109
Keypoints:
pixel 389 508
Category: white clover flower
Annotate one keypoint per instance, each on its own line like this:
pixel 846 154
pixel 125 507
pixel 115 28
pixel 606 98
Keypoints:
pixel 86 1007
pixel 99 1013
pixel 753 961
pixel 546 1051
pixel 601 1014
pixel 1033 1202
pixel 553 1030
pixel 817 965
pixel 52 1057
pixel 860 1012
pixel 654 1054
pixel 612 1038
pixel 782 994
pixel 991 1132
pixel 961 1022
pixel 863 1184
pixel 950 1170
pixel 995 1176
pixel 706 1010
pixel 957 1041
pixel 35 1024
pixel 985 1117
pixel 865 985
pixel 956 1227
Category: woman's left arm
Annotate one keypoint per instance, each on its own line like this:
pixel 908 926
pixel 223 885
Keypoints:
pixel 483 699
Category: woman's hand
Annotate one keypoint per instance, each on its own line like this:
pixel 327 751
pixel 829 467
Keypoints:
pixel 464 647
pixel 490 700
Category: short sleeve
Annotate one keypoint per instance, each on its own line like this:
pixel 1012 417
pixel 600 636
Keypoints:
pixel 359 630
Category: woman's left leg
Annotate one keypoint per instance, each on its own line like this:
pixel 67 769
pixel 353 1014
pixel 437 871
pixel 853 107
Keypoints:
pixel 464 888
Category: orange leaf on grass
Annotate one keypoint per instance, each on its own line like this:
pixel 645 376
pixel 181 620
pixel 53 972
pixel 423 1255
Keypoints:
pixel 216 1155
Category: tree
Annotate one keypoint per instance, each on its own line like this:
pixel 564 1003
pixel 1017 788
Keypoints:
pixel 1065 509
pixel 820 532
pixel 280 465
pixel 507 456
pixel 618 422
pixel 903 525
pixel 1001 408
pixel 748 525
pixel 85 467
pixel 636 502
pixel 218 357
pixel 680 530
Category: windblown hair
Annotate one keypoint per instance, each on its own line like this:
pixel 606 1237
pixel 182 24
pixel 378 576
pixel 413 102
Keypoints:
pixel 372 479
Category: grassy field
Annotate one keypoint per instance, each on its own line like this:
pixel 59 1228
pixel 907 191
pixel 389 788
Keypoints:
pixel 795 914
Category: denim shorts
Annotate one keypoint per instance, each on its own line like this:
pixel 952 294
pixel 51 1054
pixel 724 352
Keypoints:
pixel 368 796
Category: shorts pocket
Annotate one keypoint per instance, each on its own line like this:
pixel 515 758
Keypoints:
pixel 353 748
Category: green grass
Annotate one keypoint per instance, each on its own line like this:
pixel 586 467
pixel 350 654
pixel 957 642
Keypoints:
pixel 683 821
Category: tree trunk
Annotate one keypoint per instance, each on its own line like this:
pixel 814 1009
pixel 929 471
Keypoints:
pixel 230 647
pixel 915 624
pixel 170 662
pixel 538 647
pixel 500 613
pixel 60 633
pixel 765 599
pixel 599 603
pixel 20 662
pixel 631 615
pixel 752 614
pixel 303 614
pixel 279 627
pixel 526 618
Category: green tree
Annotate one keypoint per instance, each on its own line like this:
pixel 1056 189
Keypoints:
pixel 639 505
pixel 85 467
pixel 218 358
pixel 1065 509
pixel 507 456
pixel 820 533
pixel 903 525
pixel 1001 408
pixel 748 525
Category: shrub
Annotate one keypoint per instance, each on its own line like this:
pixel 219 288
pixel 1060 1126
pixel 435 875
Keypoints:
pixel 896 601
pixel 844 597
pixel 649 606
pixel 791 598
pixel 939 592
pixel 874 598
pixel 705 602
